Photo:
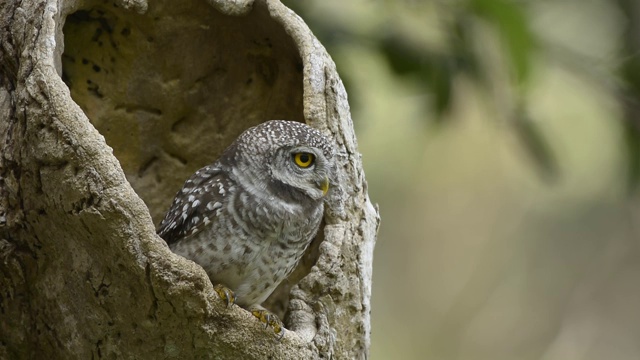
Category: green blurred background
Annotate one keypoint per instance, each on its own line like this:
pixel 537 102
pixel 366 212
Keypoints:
pixel 500 139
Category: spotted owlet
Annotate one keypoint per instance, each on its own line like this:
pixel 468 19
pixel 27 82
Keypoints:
pixel 248 217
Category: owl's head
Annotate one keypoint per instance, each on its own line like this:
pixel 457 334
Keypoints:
pixel 289 159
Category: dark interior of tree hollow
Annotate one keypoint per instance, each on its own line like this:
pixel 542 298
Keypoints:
pixel 172 88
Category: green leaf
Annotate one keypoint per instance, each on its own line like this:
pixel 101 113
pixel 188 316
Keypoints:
pixel 403 56
pixel 434 71
pixel 512 24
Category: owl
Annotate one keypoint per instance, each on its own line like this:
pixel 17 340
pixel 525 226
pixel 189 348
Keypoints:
pixel 248 217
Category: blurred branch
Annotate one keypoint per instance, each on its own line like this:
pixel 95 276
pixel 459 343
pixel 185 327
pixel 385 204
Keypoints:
pixel 630 74
pixel 535 143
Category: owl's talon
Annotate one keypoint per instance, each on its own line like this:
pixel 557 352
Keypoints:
pixel 225 294
pixel 269 320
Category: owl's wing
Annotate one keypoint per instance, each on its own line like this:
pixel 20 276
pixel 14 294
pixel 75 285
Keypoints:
pixel 196 204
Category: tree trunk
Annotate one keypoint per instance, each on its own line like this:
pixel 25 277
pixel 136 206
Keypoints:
pixel 168 85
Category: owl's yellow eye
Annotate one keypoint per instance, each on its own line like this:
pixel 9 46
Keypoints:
pixel 303 159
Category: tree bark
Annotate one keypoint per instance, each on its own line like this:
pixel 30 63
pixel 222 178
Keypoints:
pixel 105 109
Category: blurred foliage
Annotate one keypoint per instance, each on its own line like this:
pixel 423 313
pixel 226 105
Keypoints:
pixel 460 50
pixel 456 104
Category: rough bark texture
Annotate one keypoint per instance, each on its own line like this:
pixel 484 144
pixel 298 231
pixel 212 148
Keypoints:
pixel 167 84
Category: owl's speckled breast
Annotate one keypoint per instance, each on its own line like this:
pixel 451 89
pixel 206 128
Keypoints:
pixel 268 253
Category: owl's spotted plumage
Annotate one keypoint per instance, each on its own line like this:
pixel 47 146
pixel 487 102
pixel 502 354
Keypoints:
pixel 248 218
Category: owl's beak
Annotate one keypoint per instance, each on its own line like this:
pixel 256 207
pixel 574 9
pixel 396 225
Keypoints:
pixel 324 186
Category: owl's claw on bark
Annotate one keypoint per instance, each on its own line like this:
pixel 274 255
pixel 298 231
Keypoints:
pixel 269 320
pixel 225 294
